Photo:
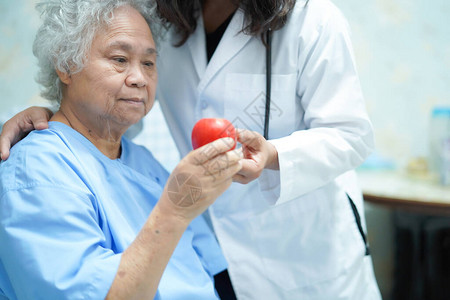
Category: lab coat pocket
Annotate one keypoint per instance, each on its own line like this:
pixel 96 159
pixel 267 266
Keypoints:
pixel 246 101
pixel 305 241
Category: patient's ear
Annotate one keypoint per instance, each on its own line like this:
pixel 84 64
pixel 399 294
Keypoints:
pixel 63 76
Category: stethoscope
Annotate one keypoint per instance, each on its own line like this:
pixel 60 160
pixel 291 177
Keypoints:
pixel 268 81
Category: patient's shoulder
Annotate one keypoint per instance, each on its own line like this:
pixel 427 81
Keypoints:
pixel 41 157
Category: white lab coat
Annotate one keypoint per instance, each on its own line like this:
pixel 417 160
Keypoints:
pixel 291 234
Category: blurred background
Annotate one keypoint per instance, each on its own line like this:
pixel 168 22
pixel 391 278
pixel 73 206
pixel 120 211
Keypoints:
pixel 402 49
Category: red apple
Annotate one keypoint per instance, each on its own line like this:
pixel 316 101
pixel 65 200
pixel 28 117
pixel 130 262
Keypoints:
pixel 210 129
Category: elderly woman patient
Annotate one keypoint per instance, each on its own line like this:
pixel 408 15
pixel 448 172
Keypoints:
pixel 84 212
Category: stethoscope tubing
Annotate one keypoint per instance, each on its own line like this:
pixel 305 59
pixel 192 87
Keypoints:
pixel 268 82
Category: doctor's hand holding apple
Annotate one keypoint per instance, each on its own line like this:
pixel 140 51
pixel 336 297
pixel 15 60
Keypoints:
pixel 257 152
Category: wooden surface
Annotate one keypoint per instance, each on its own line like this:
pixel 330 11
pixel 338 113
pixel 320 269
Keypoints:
pixel 415 193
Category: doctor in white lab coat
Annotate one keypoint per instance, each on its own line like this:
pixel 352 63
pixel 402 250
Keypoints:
pixel 292 233
pixel 298 230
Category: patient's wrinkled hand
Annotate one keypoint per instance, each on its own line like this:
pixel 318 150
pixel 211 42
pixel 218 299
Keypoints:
pixel 200 177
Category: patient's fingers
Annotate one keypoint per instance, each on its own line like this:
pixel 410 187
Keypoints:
pixel 211 150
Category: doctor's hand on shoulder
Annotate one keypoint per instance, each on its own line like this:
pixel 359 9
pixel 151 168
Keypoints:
pixel 258 154
pixel 20 125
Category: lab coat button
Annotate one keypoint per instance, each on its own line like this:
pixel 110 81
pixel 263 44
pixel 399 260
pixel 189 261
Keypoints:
pixel 204 104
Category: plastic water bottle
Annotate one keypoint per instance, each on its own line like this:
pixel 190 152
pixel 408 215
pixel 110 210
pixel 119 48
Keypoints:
pixel 440 143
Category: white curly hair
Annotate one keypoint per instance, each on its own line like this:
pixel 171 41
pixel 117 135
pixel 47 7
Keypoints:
pixel 65 37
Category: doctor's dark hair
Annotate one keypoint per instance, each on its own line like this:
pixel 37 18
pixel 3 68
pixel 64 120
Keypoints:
pixel 68 28
pixel 260 15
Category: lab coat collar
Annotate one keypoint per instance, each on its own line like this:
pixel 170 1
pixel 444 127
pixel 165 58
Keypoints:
pixel 230 44
pixel 197 47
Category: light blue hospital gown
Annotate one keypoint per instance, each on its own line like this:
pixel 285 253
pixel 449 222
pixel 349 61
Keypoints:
pixel 67 212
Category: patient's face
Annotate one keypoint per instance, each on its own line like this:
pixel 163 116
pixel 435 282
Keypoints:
pixel 117 84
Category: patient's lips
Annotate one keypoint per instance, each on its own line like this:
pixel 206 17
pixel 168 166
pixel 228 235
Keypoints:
pixel 133 100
